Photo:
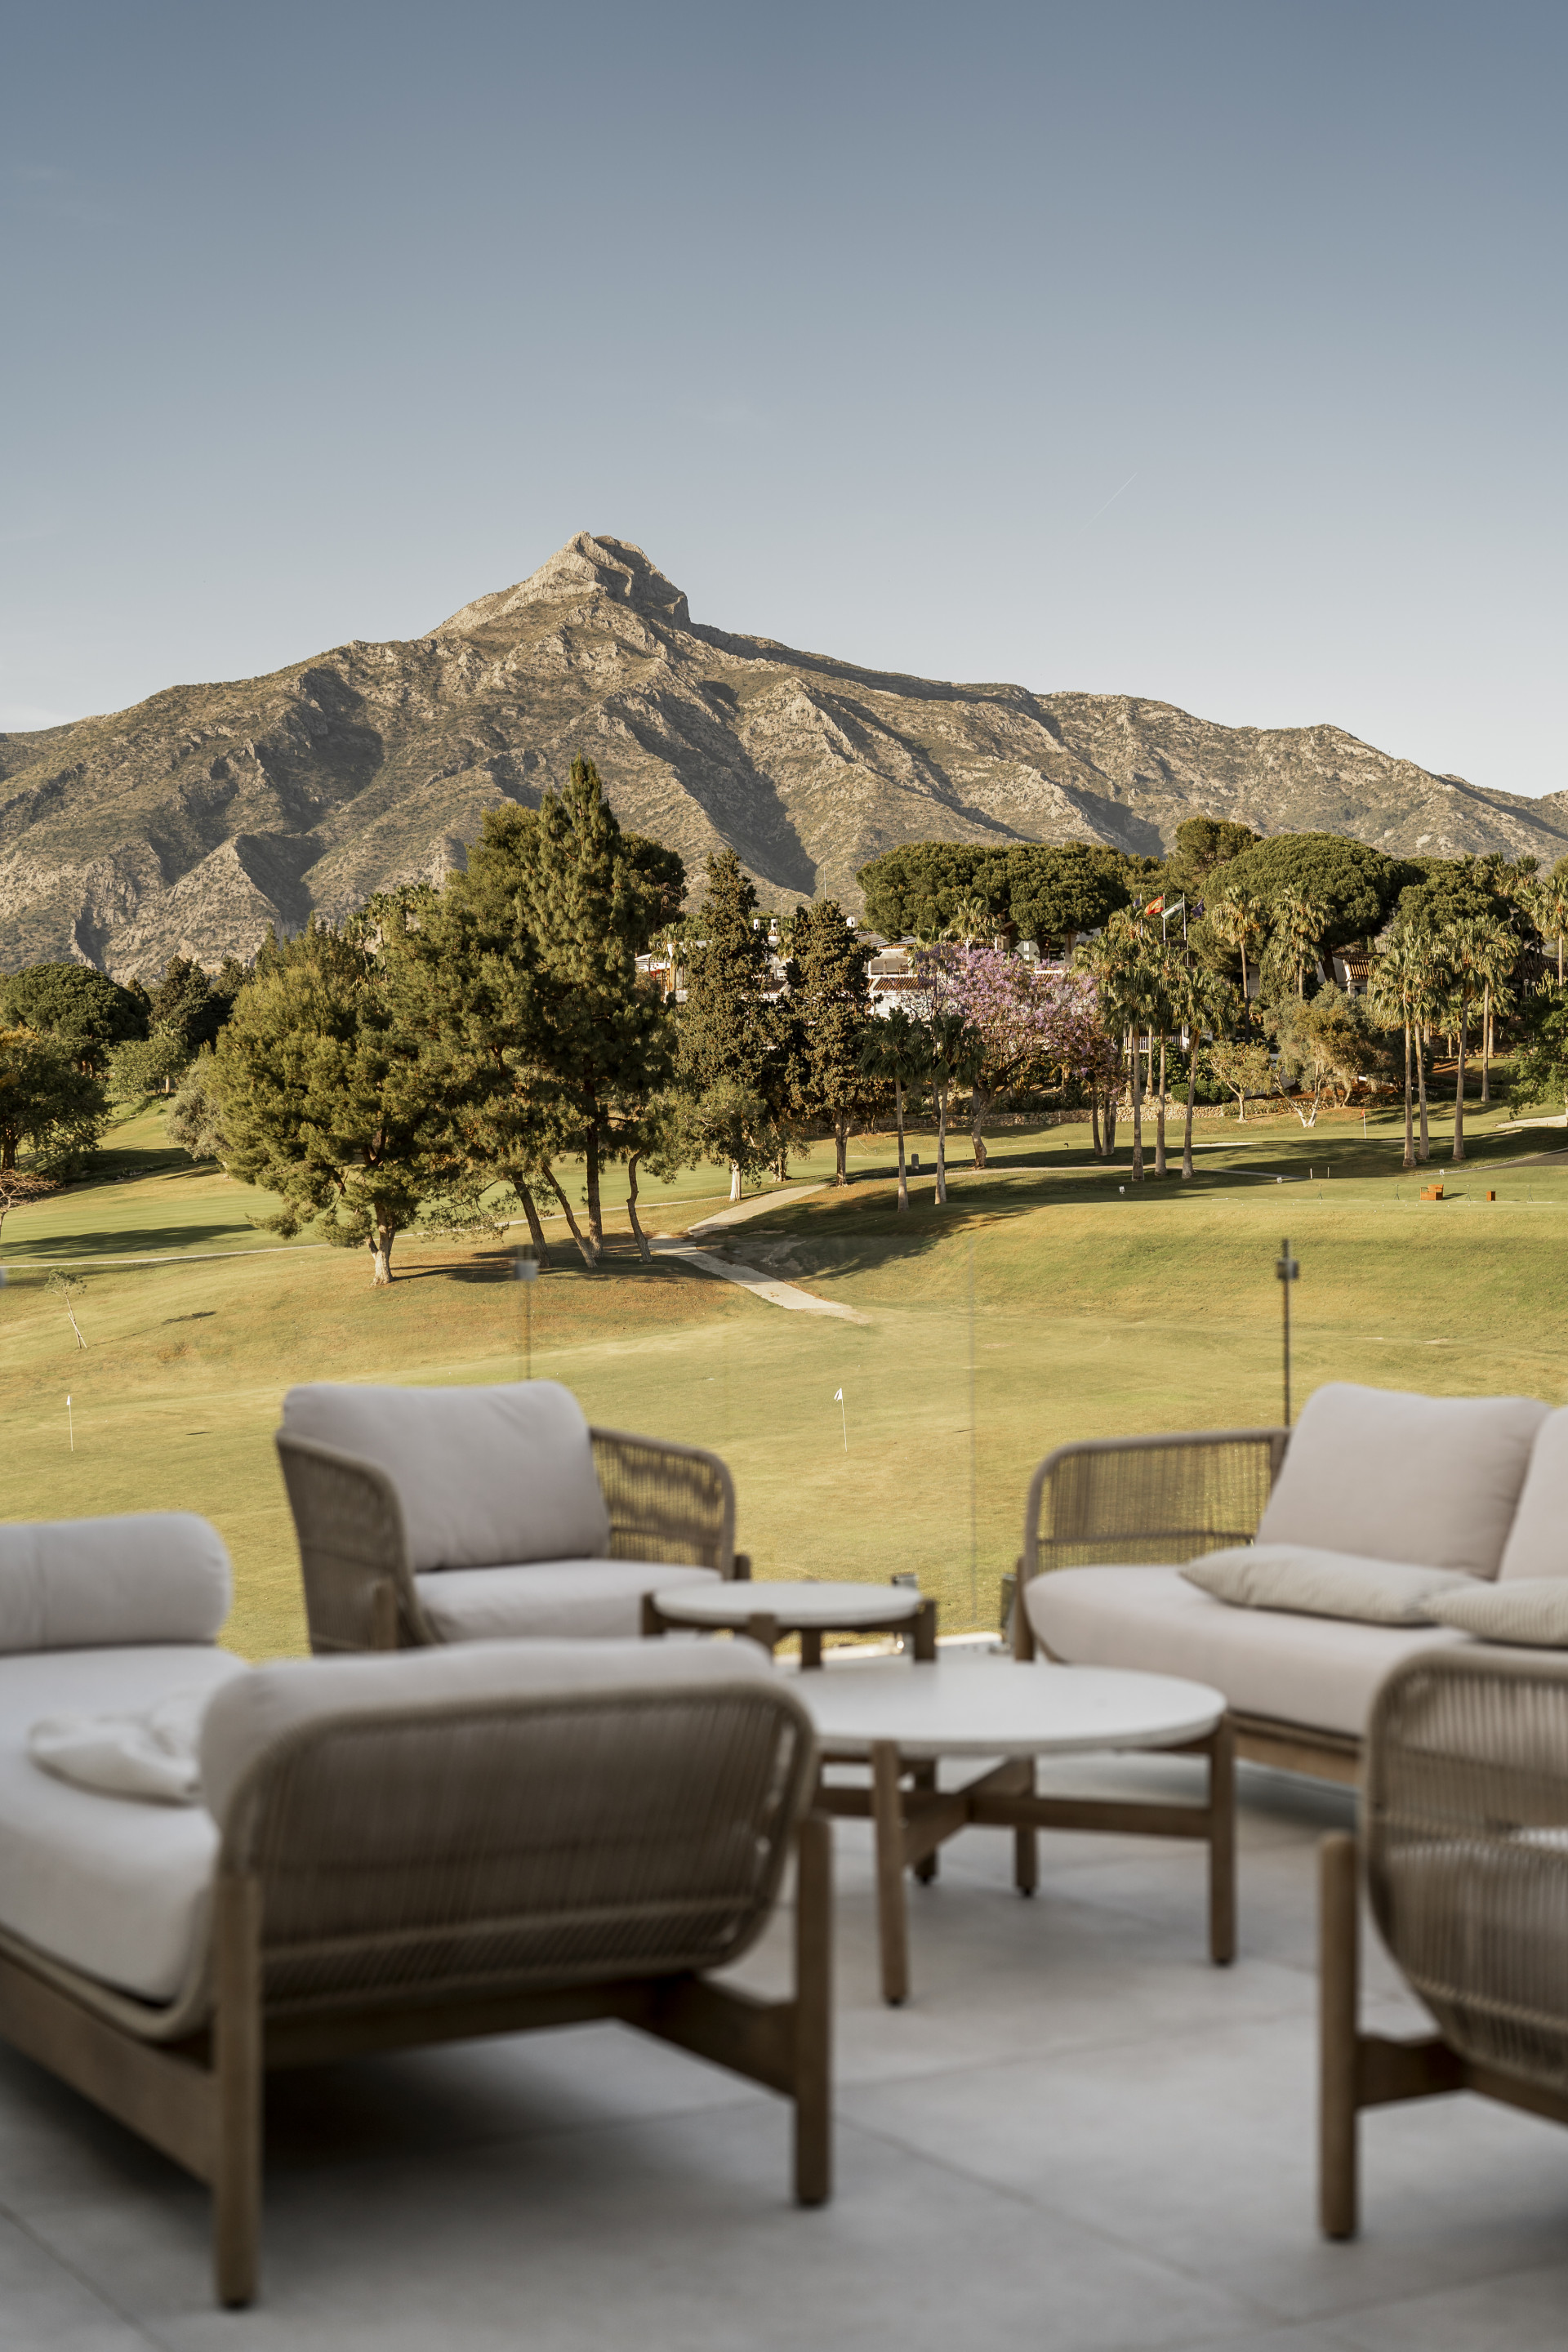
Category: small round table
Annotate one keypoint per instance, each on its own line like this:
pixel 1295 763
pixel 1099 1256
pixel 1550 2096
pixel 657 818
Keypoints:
pixel 902 1719
pixel 767 1612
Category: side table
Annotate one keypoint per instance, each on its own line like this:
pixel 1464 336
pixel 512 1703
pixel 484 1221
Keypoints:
pixel 765 1613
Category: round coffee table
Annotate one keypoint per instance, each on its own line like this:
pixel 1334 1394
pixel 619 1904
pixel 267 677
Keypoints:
pixel 902 1719
pixel 767 1612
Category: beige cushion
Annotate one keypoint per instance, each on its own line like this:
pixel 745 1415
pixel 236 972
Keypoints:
pixel 1321 1583
pixel 483 1473
pixel 1538 1540
pixel 1382 1474
pixel 153 1576
pixel 1317 1671
pixel 115 1888
pixel 1531 1610
pixel 250 1715
pixel 555 1600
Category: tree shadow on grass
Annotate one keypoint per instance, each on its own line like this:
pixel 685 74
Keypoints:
pixel 131 1241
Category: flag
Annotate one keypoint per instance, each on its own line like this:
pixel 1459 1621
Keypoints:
pixel 838 1396
pixel 1176 907
pixel 1155 906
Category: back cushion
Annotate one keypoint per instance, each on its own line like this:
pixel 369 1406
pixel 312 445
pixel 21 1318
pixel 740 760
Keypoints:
pixel 486 1476
pixel 1433 1480
pixel 94 1585
pixel 1538 1540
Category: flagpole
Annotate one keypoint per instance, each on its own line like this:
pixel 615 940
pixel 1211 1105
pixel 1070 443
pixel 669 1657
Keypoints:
pixel 838 1400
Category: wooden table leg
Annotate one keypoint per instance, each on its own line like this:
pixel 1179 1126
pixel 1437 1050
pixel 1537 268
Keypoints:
pixel 1222 1846
pixel 1026 1843
pixel 763 1631
pixel 810 1648
pixel 924 1776
pixel 892 1919
pixel 925 1633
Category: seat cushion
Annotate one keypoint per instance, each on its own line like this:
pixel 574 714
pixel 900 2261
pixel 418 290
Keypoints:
pixel 1537 1543
pixel 484 1474
pixel 1432 1480
pixel 143 1576
pixel 1320 1671
pixel 548 1599
pixel 113 1886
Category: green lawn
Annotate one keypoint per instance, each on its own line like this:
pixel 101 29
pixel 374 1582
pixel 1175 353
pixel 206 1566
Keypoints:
pixel 1065 1306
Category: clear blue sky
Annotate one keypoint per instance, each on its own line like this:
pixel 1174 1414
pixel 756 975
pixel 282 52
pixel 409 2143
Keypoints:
pixel 1207 352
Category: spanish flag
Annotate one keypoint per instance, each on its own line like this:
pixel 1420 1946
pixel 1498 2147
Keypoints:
pixel 1155 906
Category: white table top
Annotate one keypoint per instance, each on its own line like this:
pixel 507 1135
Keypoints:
pixel 1000 1708
pixel 812 1608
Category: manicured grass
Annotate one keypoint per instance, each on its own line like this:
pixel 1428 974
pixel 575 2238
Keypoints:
pixel 1073 1308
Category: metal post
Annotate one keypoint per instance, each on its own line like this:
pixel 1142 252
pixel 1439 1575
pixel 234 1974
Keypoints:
pixel 1287 1268
pixel 525 1269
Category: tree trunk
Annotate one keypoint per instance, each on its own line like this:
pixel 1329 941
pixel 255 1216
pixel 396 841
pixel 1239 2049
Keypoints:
pixel 586 1246
pixel 899 1113
pixel 841 1148
pixel 1424 1150
pixel 1094 1122
pixel 1137 1110
pixel 531 1211
pixel 1409 1106
pixel 595 1212
pixel 1160 1111
pixel 1241 1106
pixel 1110 1122
pixel 734 1182
pixel 379 1243
pixel 978 1098
pixel 781 1164
pixel 942 1146
pixel 637 1233
pixel 1191 1096
pixel 7 1153
pixel 1246 992
pixel 1486 1047
pixel 1457 1152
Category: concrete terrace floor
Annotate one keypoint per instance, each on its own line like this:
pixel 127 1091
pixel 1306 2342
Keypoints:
pixel 1078 2136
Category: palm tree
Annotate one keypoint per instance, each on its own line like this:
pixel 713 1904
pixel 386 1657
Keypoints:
pixel 896 1050
pixel 1199 1000
pixel 1398 976
pixel 1299 923
pixel 1497 966
pixel 1462 951
pixel 970 921
pixel 1548 904
pixel 1242 922
pixel 957 1052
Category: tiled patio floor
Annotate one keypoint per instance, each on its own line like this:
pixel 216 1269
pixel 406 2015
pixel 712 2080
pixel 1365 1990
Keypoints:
pixel 1077 2135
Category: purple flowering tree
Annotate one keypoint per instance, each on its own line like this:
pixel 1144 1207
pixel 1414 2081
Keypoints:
pixel 1031 1023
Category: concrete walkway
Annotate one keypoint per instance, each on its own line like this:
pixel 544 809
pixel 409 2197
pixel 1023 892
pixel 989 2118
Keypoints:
pixel 765 1288
pixel 744 1211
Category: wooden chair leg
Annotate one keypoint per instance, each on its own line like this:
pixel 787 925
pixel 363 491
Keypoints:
pixel 1023 1631
pixel 892 1917
pixel 810 1648
pixel 237 2088
pixel 1339 1974
pixel 813 2013
pixel 1222 1846
pixel 925 1633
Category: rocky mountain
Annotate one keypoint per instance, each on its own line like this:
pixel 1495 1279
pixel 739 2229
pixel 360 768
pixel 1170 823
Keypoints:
pixel 188 824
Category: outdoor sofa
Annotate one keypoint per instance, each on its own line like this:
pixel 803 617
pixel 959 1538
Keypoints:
pixel 1476 1485
pixel 429 1516
pixel 386 1852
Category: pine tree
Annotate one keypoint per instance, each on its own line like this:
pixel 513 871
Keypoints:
pixel 733 1040
pixel 832 998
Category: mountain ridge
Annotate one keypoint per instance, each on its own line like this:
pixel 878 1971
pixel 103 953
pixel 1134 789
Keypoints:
pixel 188 824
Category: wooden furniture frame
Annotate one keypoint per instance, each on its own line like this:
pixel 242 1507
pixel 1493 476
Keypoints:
pixel 1467 1765
pixel 766 1628
pixel 461 1906
pixel 913 1818
pixel 1154 1501
pixel 673 1504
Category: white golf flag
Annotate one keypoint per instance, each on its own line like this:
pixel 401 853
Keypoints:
pixel 838 1396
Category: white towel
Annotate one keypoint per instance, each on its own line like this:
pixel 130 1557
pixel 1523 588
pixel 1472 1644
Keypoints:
pixel 150 1755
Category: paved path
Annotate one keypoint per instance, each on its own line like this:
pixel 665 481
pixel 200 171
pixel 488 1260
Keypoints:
pixel 762 1287
pixel 744 1211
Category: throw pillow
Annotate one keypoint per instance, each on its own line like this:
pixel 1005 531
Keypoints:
pixel 1323 1583
pixel 1531 1610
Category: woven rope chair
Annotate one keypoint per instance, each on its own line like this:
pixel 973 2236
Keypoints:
pixel 1465 1844
pixel 396 1876
pixel 668 1503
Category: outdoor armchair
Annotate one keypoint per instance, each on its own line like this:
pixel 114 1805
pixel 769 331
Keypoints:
pixel 389 1851
pixel 429 1516
pixel 1464 1848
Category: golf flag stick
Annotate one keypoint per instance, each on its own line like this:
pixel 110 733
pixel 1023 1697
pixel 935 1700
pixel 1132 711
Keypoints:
pixel 70 1424
pixel 838 1400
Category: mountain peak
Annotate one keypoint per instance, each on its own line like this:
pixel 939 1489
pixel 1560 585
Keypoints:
pixel 591 563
